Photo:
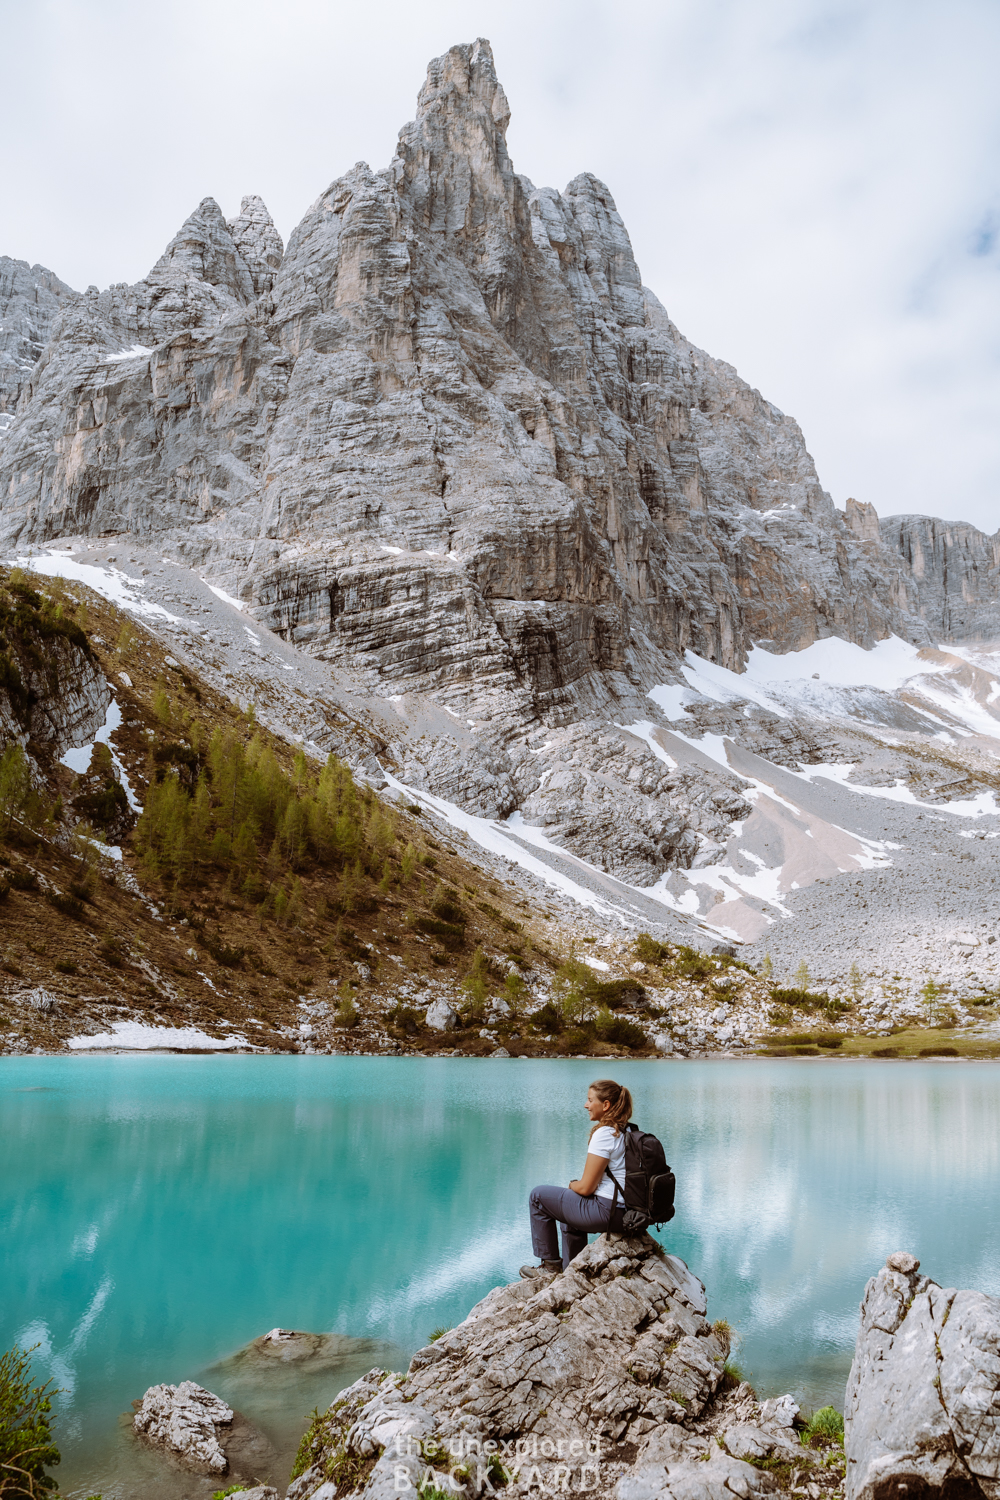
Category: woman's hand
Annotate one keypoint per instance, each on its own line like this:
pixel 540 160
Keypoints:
pixel 593 1170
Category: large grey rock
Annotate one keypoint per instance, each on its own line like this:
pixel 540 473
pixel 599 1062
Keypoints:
pixel 185 1420
pixel 573 491
pixel 612 1349
pixel 449 442
pixel 258 241
pixel 441 1017
pixel 717 1478
pixel 921 1415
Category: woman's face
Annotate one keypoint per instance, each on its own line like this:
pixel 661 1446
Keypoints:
pixel 597 1108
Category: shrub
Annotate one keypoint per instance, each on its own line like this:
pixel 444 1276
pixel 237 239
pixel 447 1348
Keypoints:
pixel 573 987
pixel 619 1031
pixel 112 951
pixel 615 992
pixel 648 951
pixel 347 1013
pixel 515 992
pixel 26 1446
pixel 476 984
pixel 548 1018
pixel 801 999
pixel 939 1052
pixel 825 1428
pixel 448 934
pixel 446 907
pixel 68 905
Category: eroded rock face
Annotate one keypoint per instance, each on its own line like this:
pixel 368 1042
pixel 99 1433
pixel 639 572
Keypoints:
pixel 591 1381
pixel 30 299
pixel 451 402
pixel 185 1420
pixel 923 1390
pixel 955 570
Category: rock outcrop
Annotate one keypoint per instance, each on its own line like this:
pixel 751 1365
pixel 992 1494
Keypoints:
pixel 590 1380
pixel 450 444
pixel 955 571
pixel 185 1420
pixel 53 694
pixel 30 299
pixel 921 1411
pixel 200 1433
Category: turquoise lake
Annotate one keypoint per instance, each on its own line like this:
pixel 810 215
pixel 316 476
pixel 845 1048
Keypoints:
pixel 158 1213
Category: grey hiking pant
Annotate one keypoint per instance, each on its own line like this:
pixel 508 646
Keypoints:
pixel 577 1216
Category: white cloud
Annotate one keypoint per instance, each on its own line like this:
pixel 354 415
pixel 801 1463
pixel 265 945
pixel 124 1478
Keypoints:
pixel 810 185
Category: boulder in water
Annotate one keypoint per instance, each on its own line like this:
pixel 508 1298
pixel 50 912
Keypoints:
pixel 185 1421
pixel 922 1417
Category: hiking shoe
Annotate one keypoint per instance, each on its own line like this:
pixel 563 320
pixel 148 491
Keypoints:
pixel 547 1268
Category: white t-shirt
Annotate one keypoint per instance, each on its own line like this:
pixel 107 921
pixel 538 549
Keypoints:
pixel 604 1142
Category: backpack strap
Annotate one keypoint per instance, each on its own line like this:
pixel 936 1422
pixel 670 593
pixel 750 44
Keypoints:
pixel 614 1197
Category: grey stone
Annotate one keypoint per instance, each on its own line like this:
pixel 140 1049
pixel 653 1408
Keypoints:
pixel 441 1017
pixel 717 1479
pixel 902 1260
pixel 748 1440
pixel 924 1389
pixel 185 1420
pixel 780 1411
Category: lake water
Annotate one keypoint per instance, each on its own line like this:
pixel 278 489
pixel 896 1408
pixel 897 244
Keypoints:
pixel 158 1213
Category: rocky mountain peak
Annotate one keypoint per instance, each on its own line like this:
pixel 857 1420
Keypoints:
pixel 203 249
pixel 463 83
pixel 258 241
pixel 457 180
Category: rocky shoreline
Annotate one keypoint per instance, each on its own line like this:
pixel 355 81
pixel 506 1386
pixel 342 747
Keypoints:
pixel 608 1378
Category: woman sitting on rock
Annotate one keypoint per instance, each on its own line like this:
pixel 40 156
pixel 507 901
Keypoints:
pixel 585 1207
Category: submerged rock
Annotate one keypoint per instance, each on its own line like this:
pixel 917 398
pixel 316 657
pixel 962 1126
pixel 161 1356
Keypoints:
pixel 185 1420
pixel 922 1416
pixel 198 1431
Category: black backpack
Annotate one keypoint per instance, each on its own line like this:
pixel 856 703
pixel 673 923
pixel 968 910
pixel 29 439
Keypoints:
pixel 648 1195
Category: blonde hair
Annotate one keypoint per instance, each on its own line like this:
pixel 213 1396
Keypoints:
pixel 618 1096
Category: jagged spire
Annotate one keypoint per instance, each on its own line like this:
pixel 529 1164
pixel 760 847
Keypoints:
pixel 258 241
pixel 203 248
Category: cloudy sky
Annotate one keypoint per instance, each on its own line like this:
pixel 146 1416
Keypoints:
pixel 812 187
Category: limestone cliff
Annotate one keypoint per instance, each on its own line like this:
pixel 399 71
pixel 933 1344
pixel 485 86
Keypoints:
pixel 955 571
pixel 448 438
pixel 448 443
pixel 30 298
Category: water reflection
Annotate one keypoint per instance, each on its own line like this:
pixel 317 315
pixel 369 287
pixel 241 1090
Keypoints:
pixel 160 1213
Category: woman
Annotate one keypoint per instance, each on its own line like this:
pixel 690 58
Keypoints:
pixel 585 1206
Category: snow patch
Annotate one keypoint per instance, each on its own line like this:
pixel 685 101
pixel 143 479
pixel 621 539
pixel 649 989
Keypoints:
pixel 226 598
pixel 110 583
pixel 134 1036
pixel 490 835
pixel 137 351
pixel 78 759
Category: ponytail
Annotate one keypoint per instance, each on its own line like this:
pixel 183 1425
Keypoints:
pixel 618 1096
